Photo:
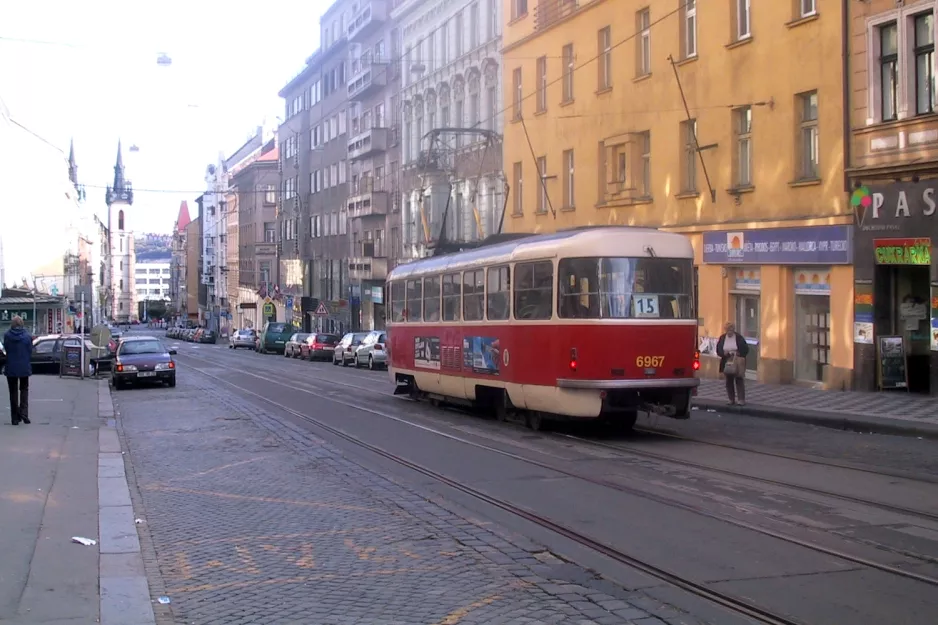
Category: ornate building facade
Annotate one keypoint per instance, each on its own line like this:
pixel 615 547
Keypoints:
pixel 120 197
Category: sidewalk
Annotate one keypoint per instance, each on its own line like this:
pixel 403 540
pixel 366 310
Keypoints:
pixel 57 484
pixel 894 412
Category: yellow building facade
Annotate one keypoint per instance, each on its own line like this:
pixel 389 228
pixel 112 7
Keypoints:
pixel 720 119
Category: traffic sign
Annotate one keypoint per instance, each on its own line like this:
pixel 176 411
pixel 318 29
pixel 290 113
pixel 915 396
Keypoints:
pixel 322 311
pixel 269 310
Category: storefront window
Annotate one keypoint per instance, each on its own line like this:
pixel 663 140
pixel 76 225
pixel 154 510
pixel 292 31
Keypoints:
pixel 747 285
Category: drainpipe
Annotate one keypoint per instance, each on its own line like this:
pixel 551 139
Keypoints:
pixel 845 51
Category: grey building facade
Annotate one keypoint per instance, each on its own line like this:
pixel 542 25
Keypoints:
pixel 374 200
pixel 256 186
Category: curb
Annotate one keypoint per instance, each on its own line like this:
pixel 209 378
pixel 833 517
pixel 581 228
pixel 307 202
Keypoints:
pixel 125 593
pixel 831 420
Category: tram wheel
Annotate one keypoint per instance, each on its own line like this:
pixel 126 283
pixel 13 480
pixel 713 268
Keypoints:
pixel 536 421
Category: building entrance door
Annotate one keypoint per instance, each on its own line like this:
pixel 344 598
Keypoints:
pixel 749 326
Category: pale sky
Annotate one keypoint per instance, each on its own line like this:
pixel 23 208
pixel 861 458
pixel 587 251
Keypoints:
pixel 96 79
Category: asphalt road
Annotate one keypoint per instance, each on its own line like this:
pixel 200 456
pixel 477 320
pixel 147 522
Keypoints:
pixel 813 524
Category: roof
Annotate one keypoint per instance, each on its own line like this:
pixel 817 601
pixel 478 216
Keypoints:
pixel 183 219
pixel 273 155
pixel 600 240
pixel 28 301
pixel 145 337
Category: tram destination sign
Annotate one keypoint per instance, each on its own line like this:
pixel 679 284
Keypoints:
pixel 817 245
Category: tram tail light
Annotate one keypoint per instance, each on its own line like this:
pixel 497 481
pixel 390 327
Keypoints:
pixel 573 359
pixel 696 360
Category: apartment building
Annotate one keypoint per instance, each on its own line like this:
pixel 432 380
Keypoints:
pixel 177 264
pixel 451 74
pixel 893 178
pixel 314 182
pixel 211 213
pixel 256 188
pixel 195 290
pixel 721 120
pixel 374 196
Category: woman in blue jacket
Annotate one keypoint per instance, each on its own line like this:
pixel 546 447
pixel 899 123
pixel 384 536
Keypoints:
pixel 19 347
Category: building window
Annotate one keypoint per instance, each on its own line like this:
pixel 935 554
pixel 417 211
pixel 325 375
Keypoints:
pixel 567 56
pixel 542 184
pixel 888 70
pixel 270 232
pixel 645 145
pixel 516 95
pixel 643 53
pixel 808 8
pixel 492 21
pixel 809 136
pixel 743 27
pixel 742 122
pixel 517 207
pixel 459 35
pixel 519 8
pixel 690 29
pixel 604 45
pixel 120 220
pixel 924 49
pixel 689 155
pixel 270 194
pixel 493 108
pixel 541 75
pixel 474 26
pixel 569 196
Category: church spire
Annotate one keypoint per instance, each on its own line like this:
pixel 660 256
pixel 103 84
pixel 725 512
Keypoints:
pixel 72 164
pixel 122 190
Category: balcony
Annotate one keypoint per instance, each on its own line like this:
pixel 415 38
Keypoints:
pixel 367 199
pixel 372 77
pixel 367 143
pixel 367 268
pixel 371 16
pixel 548 12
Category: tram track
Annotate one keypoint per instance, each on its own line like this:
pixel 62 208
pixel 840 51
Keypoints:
pixel 628 450
pixel 508 506
pixel 728 601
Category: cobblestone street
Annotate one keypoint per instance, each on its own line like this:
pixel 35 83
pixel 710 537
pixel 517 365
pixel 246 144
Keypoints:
pixel 253 521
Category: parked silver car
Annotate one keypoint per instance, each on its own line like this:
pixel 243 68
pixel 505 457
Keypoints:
pixel 242 338
pixel 373 350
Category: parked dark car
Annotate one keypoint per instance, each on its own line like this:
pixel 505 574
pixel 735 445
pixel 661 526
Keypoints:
pixel 319 347
pixel 143 359
pixel 47 350
pixel 208 336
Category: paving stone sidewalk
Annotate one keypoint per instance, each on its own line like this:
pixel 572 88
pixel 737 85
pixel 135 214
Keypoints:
pixel 254 520
pixel 53 490
pixel 895 412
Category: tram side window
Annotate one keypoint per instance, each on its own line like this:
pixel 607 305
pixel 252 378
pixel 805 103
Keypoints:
pixel 431 299
pixel 499 293
pixel 451 294
pixel 414 300
pixel 473 295
pixel 397 301
pixel 534 290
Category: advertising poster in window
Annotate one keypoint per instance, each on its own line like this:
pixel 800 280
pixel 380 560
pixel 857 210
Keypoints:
pixel 427 352
pixel 481 354
pixel 863 312
pixel 934 318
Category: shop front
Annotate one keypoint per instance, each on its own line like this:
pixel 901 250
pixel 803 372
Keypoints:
pixel 786 290
pixel 896 302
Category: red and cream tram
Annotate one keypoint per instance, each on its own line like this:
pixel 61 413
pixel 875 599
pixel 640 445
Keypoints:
pixel 591 323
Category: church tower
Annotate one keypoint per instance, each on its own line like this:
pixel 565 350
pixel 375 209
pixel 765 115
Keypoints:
pixel 120 197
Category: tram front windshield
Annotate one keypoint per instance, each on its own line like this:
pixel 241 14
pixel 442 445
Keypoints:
pixel 626 288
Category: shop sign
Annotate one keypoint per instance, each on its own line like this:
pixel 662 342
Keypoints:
pixel 818 245
pixel 885 208
pixel 7 315
pixel 813 282
pixel 902 251
pixel 377 294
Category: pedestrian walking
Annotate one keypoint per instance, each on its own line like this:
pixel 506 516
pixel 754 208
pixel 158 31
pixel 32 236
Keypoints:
pixel 732 350
pixel 19 348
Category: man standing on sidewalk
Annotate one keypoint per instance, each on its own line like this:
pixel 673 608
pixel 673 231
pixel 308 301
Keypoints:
pixel 19 347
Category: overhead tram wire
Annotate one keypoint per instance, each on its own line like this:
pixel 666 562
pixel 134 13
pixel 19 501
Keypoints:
pixel 387 68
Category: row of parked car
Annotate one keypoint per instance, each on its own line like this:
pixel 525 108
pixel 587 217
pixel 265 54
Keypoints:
pixel 192 335
pixel 362 349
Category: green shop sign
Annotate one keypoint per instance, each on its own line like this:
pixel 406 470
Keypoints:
pixel 903 251
pixel 7 315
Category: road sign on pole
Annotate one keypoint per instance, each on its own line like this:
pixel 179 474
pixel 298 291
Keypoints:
pixel 322 311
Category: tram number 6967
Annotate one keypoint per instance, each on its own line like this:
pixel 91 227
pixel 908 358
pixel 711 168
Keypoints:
pixel 649 361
